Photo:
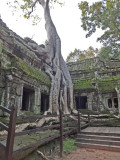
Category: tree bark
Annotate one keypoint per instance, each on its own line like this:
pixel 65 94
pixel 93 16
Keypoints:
pixel 61 84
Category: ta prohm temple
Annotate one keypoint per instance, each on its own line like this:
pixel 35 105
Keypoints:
pixel 23 81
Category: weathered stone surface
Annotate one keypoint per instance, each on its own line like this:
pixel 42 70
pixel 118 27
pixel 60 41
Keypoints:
pixel 97 79
pixel 21 73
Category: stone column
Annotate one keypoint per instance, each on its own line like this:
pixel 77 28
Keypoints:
pixel 9 89
pixel 19 92
pixel 89 101
pixel 113 107
pixel 37 106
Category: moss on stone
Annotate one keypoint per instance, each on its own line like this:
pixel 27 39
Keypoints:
pixel 108 79
pixel 32 72
pixel 83 84
pixel 108 84
pixel 104 84
pixel 5 59
pixel 11 60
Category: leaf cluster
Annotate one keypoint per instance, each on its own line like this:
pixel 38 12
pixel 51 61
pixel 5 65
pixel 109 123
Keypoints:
pixel 28 8
pixel 104 14
pixel 78 55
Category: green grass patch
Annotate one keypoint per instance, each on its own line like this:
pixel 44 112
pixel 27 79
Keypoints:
pixel 107 123
pixel 86 111
pixel 105 112
pixel 69 145
pixel 3 120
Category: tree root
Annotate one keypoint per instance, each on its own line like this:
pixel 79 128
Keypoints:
pixel 42 155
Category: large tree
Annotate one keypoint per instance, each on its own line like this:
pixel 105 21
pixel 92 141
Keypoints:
pixel 78 55
pixel 61 92
pixel 104 14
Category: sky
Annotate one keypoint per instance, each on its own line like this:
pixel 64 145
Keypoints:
pixel 67 22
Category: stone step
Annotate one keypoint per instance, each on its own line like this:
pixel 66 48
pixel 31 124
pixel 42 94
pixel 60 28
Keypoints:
pixel 98 141
pixel 98 146
pixel 100 137
pixel 101 133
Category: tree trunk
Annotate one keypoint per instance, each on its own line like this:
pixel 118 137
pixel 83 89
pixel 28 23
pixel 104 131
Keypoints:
pixel 61 91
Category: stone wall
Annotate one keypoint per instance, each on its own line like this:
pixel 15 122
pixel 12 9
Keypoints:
pixel 24 83
pixel 96 79
pixel 22 79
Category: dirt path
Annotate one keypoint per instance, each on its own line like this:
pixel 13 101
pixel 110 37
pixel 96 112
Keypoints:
pixel 91 154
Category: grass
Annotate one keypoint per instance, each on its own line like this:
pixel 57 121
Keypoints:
pixel 3 120
pixel 86 111
pixel 107 123
pixel 105 112
pixel 69 145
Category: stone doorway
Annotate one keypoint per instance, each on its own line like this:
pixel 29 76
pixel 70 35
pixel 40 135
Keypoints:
pixel 110 103
pixel 116 102
pixel 44 102
pixel 81 102
pixel 28 99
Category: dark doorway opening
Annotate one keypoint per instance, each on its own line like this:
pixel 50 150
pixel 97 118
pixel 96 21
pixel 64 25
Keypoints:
pixel 116 102
pixel 28 99
pixel 110 103
pixel 44 102
pixel 81 102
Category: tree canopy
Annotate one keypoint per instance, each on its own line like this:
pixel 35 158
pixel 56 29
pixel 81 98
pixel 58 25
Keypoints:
pixel 28 8
pixel 78 55
pixel 104 14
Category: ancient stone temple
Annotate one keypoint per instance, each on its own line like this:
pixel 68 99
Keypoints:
pixel 94 82
pixel 23 81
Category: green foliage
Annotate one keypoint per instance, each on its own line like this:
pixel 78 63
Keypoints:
pixel 78 55
pixel 83 84
pixel 3 120
pixel 105 112
pixel 107 123
pixel 69 145
pixel 28 120
pixel 108 84
pixel 106 53
pixel 104 84
pixel 86 111
pixel 32 72
pixel 105 15
pixel 28 7
pixel 16 62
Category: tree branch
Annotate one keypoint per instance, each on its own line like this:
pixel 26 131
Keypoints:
pixel 47 2
pixel 32 8
pixel 42 155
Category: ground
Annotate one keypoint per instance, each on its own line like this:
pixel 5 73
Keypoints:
pixel 90 154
